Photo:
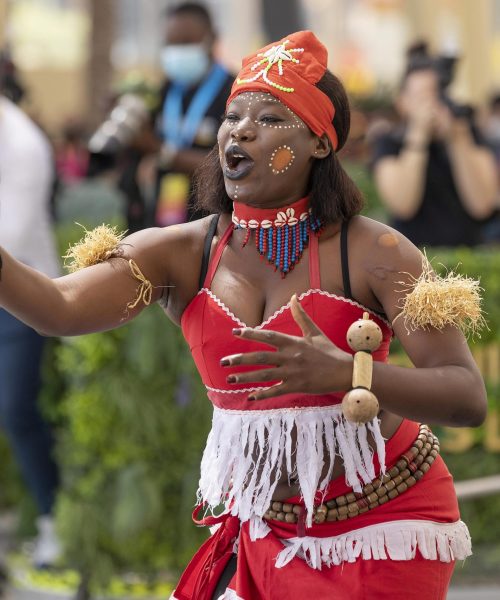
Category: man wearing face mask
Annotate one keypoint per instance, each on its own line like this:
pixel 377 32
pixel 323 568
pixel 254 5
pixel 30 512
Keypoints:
pixel 193 102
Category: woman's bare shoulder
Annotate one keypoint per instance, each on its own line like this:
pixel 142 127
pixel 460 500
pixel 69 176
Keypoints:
pixel 173 249
pixel 383 258
pixel 167 238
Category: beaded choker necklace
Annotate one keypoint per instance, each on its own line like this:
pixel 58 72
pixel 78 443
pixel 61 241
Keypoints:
pixel 281 234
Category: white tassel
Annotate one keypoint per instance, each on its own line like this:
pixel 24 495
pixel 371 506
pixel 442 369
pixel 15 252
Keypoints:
pixel 258 529
pixel 229 594
pixel 395 540
pixel 246 452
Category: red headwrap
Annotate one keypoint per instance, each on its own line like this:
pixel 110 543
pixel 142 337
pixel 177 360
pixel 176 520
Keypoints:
pixel 288 70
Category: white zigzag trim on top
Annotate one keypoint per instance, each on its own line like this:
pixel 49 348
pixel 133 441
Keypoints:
pixel 218 301
pixel 286 306
pixel 334 409
pixel 242 391
pixel 322 293
pixel 353 302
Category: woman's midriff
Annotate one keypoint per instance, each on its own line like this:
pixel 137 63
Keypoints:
pixel 389 424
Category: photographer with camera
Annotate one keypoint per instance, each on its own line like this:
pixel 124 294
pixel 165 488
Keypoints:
pixel 157 140
pixel 434 175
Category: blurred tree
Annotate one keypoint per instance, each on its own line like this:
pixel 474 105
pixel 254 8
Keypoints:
pixel 102 18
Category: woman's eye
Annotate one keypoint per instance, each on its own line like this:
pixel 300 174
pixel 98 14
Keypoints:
pixel 230 117
pixel 270 119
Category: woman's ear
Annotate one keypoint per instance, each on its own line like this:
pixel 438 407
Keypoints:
pixel 321 146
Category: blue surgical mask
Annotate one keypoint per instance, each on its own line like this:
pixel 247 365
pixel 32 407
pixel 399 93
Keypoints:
pixel 185 63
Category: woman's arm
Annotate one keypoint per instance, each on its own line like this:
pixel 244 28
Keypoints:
pixel 474 171
pixel 95 298
pixel 446 386
pixel 400 179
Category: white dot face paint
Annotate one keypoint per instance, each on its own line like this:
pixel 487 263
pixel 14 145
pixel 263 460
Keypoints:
pixel 277 143
pixel 281 159
pixel 253 98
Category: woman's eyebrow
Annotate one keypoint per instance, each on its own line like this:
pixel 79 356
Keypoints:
pixel 260 101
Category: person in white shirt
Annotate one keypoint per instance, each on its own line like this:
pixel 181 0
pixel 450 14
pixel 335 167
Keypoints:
pixel 26 179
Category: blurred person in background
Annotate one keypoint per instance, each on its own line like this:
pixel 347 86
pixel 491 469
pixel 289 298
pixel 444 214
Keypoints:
pixel 156 139
pixel 435 176
pixel 72 156
pixel 26 184
pixel 490 128
pixel 491 125
pixel 192 104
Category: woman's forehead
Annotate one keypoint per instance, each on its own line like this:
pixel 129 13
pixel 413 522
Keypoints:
pixel 257 99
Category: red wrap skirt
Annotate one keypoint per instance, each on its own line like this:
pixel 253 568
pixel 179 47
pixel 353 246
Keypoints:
pixel 403 549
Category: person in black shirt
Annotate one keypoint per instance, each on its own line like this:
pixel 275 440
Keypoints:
pixel 436 179
pixel 192 105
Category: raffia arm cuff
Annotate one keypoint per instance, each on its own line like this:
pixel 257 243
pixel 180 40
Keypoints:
pixel 435 301
pixel 99 245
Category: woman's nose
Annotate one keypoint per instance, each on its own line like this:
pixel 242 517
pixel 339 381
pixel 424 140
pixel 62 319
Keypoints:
pixel 244 130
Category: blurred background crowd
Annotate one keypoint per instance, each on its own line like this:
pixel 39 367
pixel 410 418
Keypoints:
pixel 107 107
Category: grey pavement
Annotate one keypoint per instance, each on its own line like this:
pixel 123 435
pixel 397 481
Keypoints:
pixel 26 595
pixel 474 593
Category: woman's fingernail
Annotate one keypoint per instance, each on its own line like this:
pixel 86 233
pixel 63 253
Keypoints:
pixel 232 379
pixel 251 397
pixel 237 331
pixel 225 362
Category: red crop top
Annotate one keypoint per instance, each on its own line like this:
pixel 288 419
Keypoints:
pixel 207 325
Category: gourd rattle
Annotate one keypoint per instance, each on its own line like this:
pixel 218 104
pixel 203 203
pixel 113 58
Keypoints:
pixel 360 405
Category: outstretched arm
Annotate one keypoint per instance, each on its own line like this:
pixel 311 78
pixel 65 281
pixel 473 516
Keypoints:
pixel 95 298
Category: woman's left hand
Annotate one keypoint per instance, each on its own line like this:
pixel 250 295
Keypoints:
pixel 311 364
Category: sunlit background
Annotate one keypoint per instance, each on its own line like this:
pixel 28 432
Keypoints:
pixel 55 42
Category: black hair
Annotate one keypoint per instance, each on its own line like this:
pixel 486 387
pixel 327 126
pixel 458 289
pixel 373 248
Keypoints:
pixel 195 9
pixel 333 195
pixel 10 85
pixel 418 58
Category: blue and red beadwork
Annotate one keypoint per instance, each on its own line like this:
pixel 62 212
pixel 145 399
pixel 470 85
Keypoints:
pixel 280 235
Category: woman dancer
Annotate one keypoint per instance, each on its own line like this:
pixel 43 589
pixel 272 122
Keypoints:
pixel 312 504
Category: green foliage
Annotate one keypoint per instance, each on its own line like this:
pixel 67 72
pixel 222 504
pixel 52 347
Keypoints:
pixel 363 179
pixel 135 426
pixel 482 264
pixel 10 484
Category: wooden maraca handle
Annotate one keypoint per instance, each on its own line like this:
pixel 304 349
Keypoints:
pixel 362 370
pixel 360 405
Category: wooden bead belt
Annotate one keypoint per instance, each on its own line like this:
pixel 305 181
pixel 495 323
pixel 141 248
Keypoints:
pixel 411 466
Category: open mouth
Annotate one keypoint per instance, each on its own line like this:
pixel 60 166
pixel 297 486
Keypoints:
pixel 238 162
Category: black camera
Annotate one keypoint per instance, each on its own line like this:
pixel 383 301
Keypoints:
pixel 123 123
pixel 444 66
